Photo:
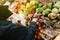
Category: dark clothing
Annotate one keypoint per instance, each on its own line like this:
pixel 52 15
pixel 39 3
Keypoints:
pixel 4 12
pixel 10 31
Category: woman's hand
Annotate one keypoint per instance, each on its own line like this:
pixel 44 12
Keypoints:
pixel 36 17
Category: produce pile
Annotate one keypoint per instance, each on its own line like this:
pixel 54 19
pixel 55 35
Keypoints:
pixel 51 12
pixel 49 19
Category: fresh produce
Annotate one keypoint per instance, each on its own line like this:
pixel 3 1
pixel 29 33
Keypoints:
pixel 44 7
pixel 24 1
pixel 57 5
pixel 37 3
pixel 20 12
pixel 26 12
pixel 23 7
pixel 58 17
pixel 54 10
pixel 40 5
pixel 32 10
pixel 32 3
pixel 52 15
pixel 47 22
pixel 28 5
pixel 38 10
pixel 16 10
pixel 59 9
pixel 46 11
pixel 49 5
pixel 57 25
pixel 53 22
pixel 48 16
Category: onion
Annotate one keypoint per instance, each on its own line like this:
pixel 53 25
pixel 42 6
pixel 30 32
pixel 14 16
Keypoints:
pixel 52 15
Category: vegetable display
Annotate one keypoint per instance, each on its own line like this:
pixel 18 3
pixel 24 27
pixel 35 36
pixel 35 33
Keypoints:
pixel 49 17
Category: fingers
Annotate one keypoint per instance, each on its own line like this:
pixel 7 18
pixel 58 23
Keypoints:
pixel 18 22
pixel 37 15
pixel 27 18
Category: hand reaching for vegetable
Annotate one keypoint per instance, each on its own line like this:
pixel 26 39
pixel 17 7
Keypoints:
pixel 38 17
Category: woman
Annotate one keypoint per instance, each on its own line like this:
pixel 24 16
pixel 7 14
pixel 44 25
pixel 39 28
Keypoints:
pixel 10 31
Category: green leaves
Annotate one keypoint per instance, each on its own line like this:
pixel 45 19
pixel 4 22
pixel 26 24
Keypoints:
pixel 49 5
pixel 46 11
pixel 39 10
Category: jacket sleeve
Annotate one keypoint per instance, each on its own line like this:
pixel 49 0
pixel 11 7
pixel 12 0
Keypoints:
pixel 10 31
pixel 31 31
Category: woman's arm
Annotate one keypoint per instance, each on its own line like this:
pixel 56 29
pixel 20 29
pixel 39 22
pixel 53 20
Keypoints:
pixel 31 30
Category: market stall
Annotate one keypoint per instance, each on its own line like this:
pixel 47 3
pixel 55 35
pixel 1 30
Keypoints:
pixel 49 20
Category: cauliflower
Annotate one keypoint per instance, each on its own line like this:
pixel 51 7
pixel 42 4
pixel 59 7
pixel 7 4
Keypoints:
pixel 54 10
pixel 57 4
